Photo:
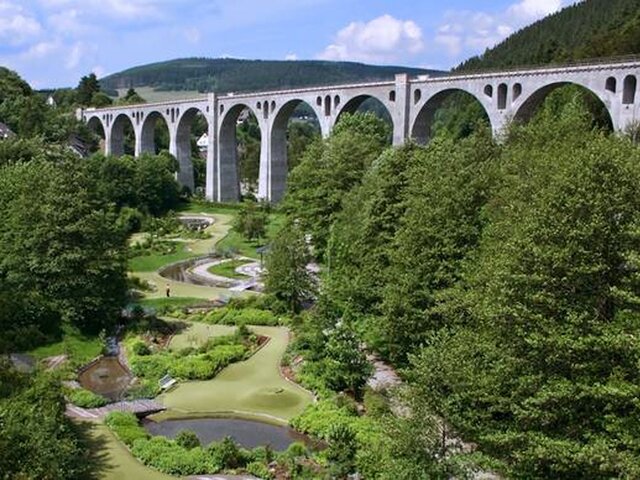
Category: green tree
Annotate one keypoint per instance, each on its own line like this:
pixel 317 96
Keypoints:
pixel 342 450
pixel 251 221
pixel 38 440
pixel 288 278
pixel 131 98
pixel 87 88
pixel 448 188
pixel 57 239
pixel 543 371
pixel 329 170
pixel 345 365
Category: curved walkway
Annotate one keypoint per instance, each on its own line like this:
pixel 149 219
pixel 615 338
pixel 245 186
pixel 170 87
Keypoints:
pixel 218 230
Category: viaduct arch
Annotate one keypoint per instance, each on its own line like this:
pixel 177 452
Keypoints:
pixel 410 102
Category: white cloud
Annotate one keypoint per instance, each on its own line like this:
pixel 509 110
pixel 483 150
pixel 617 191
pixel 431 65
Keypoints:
pixel 476 31
pixel 41 50
pixel 17 26
pixel 534 9
pixel 383 39
pixel 193 35
pixel 291 57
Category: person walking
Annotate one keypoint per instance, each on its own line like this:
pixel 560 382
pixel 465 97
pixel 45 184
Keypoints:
pixel 168 290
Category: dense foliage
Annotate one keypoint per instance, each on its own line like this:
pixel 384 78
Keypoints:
pixel 37 441
pixel 61 252
pixel 504 278
pixel 584 30
pixel 233 75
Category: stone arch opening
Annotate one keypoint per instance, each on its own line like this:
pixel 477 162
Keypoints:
pixel 154 133
pixel 629 90
pixel 192 124
pixel 557 95
pixel 238 152
pixel 294 128
pixel 611 84
pixel 517 91
pixel 123 137
pixel 98 134
pixel 503 91
pixel 367 104
pixel 455 111
pixel 327 105
pixel 488 91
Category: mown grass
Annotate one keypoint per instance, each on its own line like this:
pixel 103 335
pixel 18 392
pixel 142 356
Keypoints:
pixel 235 242
pixel 150 263
pixel 228 269
pixel 79 348
pixel 165 304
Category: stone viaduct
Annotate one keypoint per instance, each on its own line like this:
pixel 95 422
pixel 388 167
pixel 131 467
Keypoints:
pixel 411 104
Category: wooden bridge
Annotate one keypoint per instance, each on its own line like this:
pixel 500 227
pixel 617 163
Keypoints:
pixel 139 407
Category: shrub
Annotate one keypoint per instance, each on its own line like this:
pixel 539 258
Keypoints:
pixel 144 389
pixel 171 458
pixel 262 454
pixel 150 367
pixel 247 316
pixel 227 454
pixel 297 449
pixel 126 427
pixel 375 404
pixel 140 348
pixel 259 470
pixel 86 399
pixel 193 367
pixel 187 439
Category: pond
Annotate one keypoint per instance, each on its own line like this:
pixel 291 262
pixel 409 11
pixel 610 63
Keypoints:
pixel 106 377
pixel 248 433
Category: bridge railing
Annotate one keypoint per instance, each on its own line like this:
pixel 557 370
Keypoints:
pixel 620 59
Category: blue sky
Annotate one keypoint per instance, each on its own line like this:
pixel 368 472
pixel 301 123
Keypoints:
pixel 51 43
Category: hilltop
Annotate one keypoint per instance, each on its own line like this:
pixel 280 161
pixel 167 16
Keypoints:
pixel 589 29
pixel 234 75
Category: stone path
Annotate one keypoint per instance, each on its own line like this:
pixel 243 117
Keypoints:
pixel 252 270
pixel 384 376
pixel 139 407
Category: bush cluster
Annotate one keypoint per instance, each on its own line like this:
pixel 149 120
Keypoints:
pixel 246 316
pixel 190 363
pixel 86 399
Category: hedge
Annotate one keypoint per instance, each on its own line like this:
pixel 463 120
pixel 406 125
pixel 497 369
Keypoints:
pixel 86 399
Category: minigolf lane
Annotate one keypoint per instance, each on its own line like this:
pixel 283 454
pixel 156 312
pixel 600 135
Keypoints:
pixel 253 388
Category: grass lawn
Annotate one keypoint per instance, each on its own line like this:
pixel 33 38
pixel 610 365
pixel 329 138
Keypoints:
pixel 114 462
pixel 164 303
pixel 197 334
pixel 251 388
pixel 228 269
pixel 150 263
pixel 80 349
pixel 236 242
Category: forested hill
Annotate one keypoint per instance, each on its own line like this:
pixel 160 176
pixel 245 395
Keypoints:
pixel 589 29
pixel 233 75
